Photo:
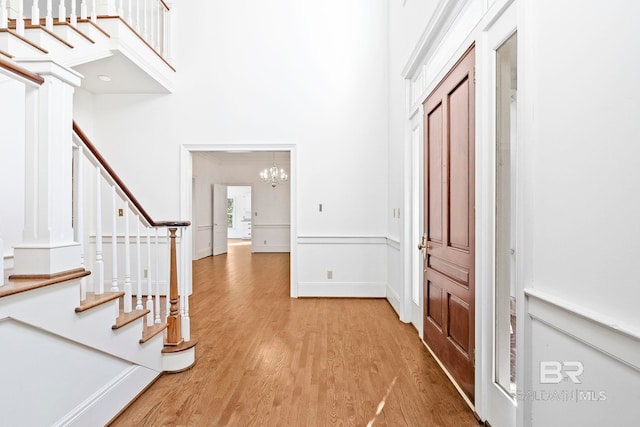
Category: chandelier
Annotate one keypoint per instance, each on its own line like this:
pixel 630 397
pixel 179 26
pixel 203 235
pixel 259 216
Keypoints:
pixel 273 175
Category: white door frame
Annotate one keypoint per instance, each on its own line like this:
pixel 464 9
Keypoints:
pixel 456 24
pixel 186 173
pixel 497 407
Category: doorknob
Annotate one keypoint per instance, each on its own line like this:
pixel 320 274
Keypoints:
pixel 424 245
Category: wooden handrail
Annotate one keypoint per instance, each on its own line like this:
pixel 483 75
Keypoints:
pixel 20 71
pixel 165 5
pixel 83 137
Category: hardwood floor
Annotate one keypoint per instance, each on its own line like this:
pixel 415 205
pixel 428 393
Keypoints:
pixel 264 359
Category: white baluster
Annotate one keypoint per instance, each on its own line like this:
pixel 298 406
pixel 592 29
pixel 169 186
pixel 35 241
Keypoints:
pixel 62 11
pixel 144 24
pixel 157 318
pixel 114 242
pixel 184 295
pixel 127 262
pixel 83 10
pixel 152 26
pixel 139 271
pixel 129 16
pixel 137 25
pixel 165 34
pixel 150 316
pixel 35 13
pixel 78 181
pixel 120 9
pixel 20 18
pixel 73 17
pixel 94 14
pixel 98 285
pixel 48 22
pixel 4 15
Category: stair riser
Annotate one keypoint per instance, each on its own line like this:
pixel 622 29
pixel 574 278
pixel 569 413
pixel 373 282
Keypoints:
pixel 53 309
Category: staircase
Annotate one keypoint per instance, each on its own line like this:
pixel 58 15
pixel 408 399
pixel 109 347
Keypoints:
pixel 93 301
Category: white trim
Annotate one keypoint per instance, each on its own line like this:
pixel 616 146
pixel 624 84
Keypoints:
pixel 393 298
pixel 254 225
pixel 186 206
pixel 342 240
pixel 204 227
pixel 438 25
pixel 178 361
pixel 393 244
pixel 343 289
pixel 103 405
pixel 606 334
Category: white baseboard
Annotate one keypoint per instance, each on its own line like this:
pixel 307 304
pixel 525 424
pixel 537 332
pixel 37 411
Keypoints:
pixel 394 299
pixel 342 289
pixel 106 403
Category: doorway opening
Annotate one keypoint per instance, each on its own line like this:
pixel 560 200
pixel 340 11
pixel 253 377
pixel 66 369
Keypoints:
pixel 239 215
pixel 265 218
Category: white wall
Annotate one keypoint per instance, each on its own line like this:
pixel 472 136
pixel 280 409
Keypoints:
pixel 271 207
pixel 579 131
pixel 312 74
pixel 12 165
pixel 407 21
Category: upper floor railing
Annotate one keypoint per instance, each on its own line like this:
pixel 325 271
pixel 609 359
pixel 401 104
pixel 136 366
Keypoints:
pixel 148 18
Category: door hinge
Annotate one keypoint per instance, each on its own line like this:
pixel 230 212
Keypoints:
pixel 474 75
pixel 473 355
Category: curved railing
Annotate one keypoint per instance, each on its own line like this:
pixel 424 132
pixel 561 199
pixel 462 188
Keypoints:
pixel 131 230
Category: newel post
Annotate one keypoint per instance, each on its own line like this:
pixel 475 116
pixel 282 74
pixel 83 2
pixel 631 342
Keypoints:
pixel 174 326
pixel 48 243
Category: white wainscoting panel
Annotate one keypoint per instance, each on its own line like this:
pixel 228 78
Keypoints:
pixel 607 352
pixel 270 237
pixel 357 266
pixel 203 241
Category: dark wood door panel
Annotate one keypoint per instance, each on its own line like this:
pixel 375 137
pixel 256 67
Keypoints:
pixel 449 275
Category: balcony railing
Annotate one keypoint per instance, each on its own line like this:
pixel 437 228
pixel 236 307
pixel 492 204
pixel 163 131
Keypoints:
pixel 148 18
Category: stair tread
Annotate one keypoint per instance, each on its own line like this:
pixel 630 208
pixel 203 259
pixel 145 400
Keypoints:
pixel 125 318
pixel 151 331
pixel 29 26
pixel 183 346
pixel 23 39
pixel 15 284
pixel 92 300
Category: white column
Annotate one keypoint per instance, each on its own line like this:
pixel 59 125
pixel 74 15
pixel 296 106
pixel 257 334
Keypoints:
pixel 127 261
pixel 48 244
pixel 98 274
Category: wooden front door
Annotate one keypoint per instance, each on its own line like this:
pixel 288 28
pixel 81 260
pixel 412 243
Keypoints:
pixel 449 288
